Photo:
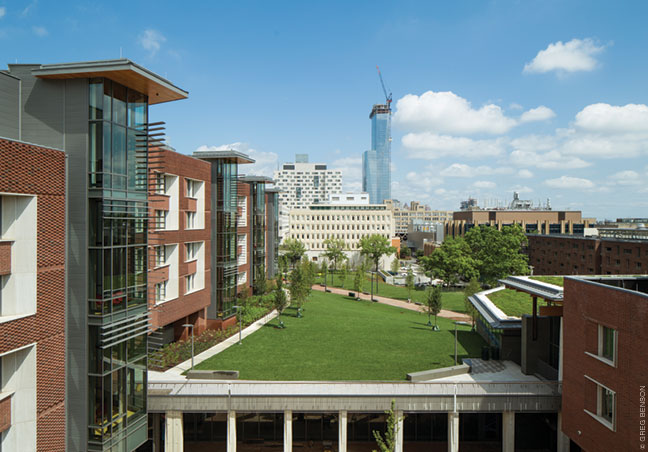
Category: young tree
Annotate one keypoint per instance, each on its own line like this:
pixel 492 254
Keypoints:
pixel 409 283
pixel 471 289
pixel 294 250
pixel 395 265
pixel 358 281
pixel 296 288
pixel 260 284
pixel 388 444
pixel 345 274
pixel 280 300
pixel 374 247
pixel 283 265
pixel 335 252
pixel 433 304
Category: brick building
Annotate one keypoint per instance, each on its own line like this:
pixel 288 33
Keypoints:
pixel 604 377
pixel 608 254
pixel 32 291
pixel 180 205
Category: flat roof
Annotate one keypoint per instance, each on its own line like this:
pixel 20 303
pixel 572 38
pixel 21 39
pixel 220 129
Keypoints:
pixel 257 179
pixel 224 154
pixel 122 71
pixel 546 291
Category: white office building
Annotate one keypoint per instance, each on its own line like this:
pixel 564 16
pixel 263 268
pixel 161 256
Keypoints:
pixel 303 184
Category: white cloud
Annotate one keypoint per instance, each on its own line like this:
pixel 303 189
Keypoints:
pixel 423 181
pixel 430 146
pixel 606 118
pixel 605 146
pixel 521 189
pixel 524 174
pixel 541 113
pixel 445 112
pixel 265 163
pixel 515 106
pixel 483 184
pixel 568 182
pixel 547 160
pixel 573 56
pixel 41 32
pixel 3 11
pixel 151 40
pixel 627 177
pixel 463 170
pixel 351 168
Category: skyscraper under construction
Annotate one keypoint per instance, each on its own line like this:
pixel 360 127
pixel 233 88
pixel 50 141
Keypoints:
pixel 376 162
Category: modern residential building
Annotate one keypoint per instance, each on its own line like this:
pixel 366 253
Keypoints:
pixel 613 251
pixel 350 223
pixel 415 212
pixel 180 240
pixel 302 183
pixel 376 162
pixel 604 379
pixel 97 113
pixel 32 296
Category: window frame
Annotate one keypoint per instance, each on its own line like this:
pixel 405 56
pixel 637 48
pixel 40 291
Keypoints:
pixel 601 389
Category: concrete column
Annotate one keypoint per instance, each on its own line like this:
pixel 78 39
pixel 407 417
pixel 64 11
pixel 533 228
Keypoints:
pixel 563 440
pixel 399 431
pixel 453 431
pixel 288 436
pixel 342 431
pixel 157 447
pixel 231 431
pixel 508 431
pixel 173 440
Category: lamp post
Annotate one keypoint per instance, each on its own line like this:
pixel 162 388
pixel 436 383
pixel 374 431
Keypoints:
pixel 455 324
pixel 239 319
pixel 189 325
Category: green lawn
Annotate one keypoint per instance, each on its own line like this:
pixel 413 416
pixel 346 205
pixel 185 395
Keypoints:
pixel 342 339
pixel 451 300
pixel 514 303
pixel 555 280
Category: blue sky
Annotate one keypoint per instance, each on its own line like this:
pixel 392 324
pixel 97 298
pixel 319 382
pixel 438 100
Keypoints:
pixel 546 97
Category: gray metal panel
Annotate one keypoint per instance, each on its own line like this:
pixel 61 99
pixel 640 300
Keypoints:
pixel 9 106
pixel 76 147
pixel 43 107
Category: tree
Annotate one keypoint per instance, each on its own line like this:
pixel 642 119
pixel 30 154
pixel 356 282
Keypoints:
pixel 280 300
pixel 498 254
pixel 374 247
pixel 294 250
pixel 283 265
pixel 433 304
pixel 409 283
pixel 260 283
pixel 335 251
pixel 345 273
pixel 405 253
pixel 388 444
pixel 297 288
pixel 358 281
pixel 451 262
pixel 471 289
pixel 395 265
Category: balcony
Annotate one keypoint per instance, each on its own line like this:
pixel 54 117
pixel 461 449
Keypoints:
pixel 5 257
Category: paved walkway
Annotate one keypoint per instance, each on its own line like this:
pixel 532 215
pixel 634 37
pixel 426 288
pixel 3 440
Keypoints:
pixel 398 303
pixel 175 373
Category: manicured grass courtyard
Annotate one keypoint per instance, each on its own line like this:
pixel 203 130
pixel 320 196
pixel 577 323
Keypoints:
pixel 451 300
pixel 342 339
pixel 514 303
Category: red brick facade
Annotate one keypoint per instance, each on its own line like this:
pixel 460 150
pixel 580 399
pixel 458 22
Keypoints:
pixel 587 305
pixel 568 255
pixel 39 171
pixel 186 308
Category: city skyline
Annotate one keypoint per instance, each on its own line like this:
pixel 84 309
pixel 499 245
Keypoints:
pixel 543 98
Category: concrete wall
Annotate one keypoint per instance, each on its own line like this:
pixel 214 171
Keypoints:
pixel 535 353
pixel 9 106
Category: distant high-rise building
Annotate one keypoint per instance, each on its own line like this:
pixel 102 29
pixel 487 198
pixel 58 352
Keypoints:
pixel 376 162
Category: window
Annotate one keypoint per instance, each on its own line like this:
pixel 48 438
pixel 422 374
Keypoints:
pixel 160 183
pixel 160 255
pixel 607 343
pixel 606 404
pixel 191 220
pixel 160 219
pixel 160 291
pixel 190 282
pixel 191 250
pixel 192 188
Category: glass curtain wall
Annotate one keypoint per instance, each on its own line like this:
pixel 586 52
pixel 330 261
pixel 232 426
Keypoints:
pixel 226 259
pixel 117 250
pixel 376 163
pixel 258 231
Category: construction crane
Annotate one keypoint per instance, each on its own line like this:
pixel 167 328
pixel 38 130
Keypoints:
pixel 388 97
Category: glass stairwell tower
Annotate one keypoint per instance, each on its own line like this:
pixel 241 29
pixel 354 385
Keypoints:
pixel 376 162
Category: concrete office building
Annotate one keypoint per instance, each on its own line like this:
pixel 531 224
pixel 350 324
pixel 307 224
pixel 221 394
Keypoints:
pixel 32 295
pixel 180 204
pixel 303 184
pixel 416 212
pixel 376 162
pixel 97 113
pixel 613 251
